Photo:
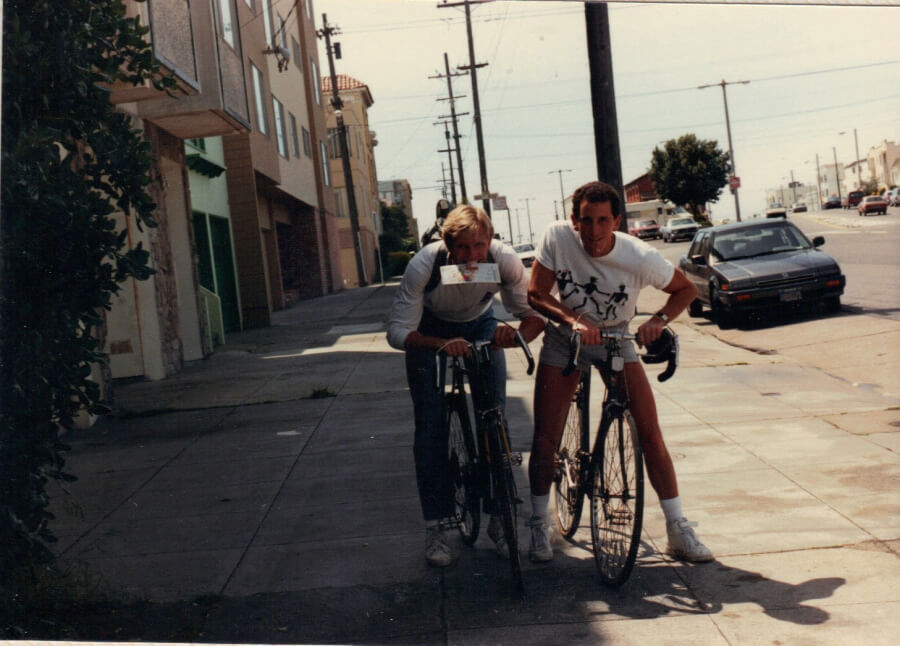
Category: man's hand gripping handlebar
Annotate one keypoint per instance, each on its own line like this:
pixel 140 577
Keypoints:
pixel 483 346
pixel 665 348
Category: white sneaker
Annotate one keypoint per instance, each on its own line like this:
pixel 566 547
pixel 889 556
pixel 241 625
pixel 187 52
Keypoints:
pixel 495 533
pixel 540 550
pixel 684 544
pixel 437 552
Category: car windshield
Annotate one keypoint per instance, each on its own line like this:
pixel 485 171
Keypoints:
pixel 758 241
pixel 523 247
pixel 681 221
pixel 647 223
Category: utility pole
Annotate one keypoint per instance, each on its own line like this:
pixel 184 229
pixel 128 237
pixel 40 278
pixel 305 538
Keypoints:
pixel 453 119
pixel 837 178
pixel 603 102
pixel 443 181
pixel 449 152
pixel 527 201
pixel 327 32
pixel 818 181
pixel 472 67
pixel 562 194
pixel 855 161
pixel 723 83
pixel 518 224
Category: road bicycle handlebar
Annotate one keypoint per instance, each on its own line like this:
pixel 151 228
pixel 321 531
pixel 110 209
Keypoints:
pixel 483 345
pixel 663 349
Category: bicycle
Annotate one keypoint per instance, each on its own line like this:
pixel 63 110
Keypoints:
pixel 482 470
pixel 611 475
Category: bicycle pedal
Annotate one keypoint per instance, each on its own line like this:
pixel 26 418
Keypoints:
pixel 515 458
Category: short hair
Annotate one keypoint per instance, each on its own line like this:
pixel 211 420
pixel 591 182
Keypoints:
pixel 595 192
pixel 466 218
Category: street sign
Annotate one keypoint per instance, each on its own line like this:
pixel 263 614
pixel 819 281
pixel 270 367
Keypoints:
pixel 499 203
pixel 734 182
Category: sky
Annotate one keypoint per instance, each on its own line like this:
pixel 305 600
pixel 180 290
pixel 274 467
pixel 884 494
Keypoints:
pixel 815 72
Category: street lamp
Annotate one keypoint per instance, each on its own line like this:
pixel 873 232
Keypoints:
pixel 856 159
pixel 723 83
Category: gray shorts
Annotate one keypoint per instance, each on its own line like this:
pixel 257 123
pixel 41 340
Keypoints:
pixel 555 348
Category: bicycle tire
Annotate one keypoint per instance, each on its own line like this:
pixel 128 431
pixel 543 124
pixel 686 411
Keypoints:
pixel 463 468
pixel 617 500
pixel 505 498
pixel 569 477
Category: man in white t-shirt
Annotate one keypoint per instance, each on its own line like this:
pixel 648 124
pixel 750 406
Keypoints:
pixel 427 317
pixel 587 276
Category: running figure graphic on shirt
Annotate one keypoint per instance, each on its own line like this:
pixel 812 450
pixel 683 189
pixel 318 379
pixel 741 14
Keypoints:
pixel 605 308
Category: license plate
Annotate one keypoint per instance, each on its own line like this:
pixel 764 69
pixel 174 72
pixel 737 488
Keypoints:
pixel 790 295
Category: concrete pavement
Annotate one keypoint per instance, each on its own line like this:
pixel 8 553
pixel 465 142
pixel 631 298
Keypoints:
pixel 275 478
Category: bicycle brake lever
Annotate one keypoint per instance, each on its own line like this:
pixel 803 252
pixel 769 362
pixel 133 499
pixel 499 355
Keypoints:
pixel 574 352
pixel 521 340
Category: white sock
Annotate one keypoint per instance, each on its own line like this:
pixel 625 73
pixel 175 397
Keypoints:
pixel 672 508
pixel 539 507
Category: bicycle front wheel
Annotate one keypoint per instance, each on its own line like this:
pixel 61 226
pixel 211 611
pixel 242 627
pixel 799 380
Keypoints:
pixel 573 450
pixel 463 469
pixel 617 500
pixel 505 498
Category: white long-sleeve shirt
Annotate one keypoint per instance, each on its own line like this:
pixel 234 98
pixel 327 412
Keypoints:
pixel 456 303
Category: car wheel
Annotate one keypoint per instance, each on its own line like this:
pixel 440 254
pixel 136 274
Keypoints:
pixel 833 304
pixel 695 309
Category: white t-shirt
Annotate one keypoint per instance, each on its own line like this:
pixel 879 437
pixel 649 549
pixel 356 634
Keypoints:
pixel 456 303
pixel 605 289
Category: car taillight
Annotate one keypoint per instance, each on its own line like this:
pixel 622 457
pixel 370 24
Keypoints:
pixel 833 283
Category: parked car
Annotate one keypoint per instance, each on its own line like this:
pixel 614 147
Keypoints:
pixel 872 204
pixel 776 210
pixel 831 203
pixel 644 229
pixel 798 207
pixel 894 196
pixel 525 251
pixel 678 229
pixel 759 266
pixel 853 199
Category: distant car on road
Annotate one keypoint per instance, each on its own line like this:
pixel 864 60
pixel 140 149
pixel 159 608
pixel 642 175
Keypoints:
pixel 776 210
pixel 798 207
pixel 678 229
pixel 872 204
pixel 525 251
pixel 831 203
pixel 759 266
pixel 894 196
pixel 853 199
pixel 645 229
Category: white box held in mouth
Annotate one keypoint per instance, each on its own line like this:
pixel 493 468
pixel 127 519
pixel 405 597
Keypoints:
pixel 485 272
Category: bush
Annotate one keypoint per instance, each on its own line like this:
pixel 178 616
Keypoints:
pixel 396 263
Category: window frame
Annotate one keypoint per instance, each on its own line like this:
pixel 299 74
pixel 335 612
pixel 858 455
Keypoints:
pixel 295 137
pixel 280 129
pixel 262 121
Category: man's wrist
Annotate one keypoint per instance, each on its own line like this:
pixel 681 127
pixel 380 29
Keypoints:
pixel 662 316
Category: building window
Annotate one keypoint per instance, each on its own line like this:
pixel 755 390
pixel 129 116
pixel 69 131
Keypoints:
pixel 249 3
pixel 334 144
pixel 280 134
pixel 267 22
pixel 307 143
pixel 199 144
pixel 317 82
pixel 326 172
pixel 227 22
pixel 295 140
pixel 296 49
pixel 309 8
pixel 258 99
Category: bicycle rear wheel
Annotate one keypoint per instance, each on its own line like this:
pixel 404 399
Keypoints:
pixel 573 449
pixel 463 468
pixel 505 498
pixel 617 500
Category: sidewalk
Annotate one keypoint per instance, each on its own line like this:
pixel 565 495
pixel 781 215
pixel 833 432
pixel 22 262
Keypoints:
pixel 297 515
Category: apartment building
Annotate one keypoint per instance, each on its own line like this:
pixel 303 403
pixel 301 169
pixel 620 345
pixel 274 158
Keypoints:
pixel 246 213
pixel 397 192
pixel 361 142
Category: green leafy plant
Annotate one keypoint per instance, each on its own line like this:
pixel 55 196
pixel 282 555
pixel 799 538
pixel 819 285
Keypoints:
pixel 70 162
pixel 690 172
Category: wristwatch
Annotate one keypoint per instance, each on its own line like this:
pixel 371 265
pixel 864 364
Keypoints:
pixel 662 316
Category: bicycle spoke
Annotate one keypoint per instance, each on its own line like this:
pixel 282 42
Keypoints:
pixel 568 476
pixel 462 470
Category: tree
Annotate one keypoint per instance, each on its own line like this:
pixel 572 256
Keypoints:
pixel 690 172
pixel 70 162
pixel 395 229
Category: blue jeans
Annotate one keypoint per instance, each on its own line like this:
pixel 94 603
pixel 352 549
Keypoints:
pixel 430 448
